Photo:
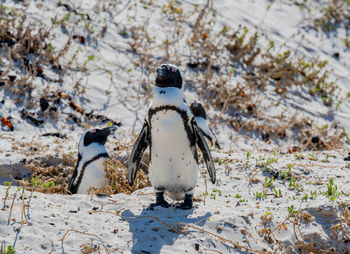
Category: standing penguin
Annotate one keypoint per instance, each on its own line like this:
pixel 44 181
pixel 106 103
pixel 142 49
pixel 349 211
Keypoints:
pixel 89 171
pixel 202 121
pixel 173 135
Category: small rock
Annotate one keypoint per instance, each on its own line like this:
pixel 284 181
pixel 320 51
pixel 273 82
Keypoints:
pixel 196 246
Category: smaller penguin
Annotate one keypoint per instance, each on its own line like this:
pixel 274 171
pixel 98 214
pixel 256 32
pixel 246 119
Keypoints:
pixel 202 122
pixel 89 171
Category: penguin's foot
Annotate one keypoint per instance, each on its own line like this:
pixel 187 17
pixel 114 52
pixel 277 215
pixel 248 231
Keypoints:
pixel 160 201
pixel 152 206
pixel 188 203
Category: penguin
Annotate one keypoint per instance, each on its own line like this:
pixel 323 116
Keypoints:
pixel 89 171
pixel 201 119
pixel 172 134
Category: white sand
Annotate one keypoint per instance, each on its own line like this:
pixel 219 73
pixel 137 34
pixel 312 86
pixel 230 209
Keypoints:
pixel 116 224
pixel 122 222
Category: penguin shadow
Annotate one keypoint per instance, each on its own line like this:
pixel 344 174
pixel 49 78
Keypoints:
pixel 150 235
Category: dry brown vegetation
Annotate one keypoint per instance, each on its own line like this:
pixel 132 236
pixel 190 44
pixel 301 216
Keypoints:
pixel 230 69
pixel 48 176
pixel 26 49
pixel 327 15
pixel 28 58
pixel 216 61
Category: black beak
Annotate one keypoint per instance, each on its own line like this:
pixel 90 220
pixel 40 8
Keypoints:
pixel 161 74
pixel 107 131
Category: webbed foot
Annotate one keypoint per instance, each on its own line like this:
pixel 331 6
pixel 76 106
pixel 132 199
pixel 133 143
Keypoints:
pixel 188 203
pixel 160 201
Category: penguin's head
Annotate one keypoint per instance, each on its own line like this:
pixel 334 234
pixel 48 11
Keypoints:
pixel 198 110
pixel 98 136
pixel 168 75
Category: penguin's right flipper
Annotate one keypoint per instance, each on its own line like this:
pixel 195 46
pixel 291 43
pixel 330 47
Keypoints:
pixel 141 143
pixel 203 146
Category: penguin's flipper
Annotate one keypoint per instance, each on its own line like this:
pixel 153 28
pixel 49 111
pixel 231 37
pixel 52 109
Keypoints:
pixel 215 140
pixel 140 146
pixel 72 189
pixel 203 146
pixel 200 116
pixel 209 134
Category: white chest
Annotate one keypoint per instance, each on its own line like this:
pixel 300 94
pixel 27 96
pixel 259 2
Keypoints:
pixel 173 166
pixel 93 176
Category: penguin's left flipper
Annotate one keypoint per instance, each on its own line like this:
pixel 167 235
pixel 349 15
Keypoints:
pixel 210 136
pixel 140 146
pixel 203 146
pixel 72 189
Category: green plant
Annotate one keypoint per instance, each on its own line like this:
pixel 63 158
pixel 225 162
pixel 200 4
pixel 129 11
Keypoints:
pixel 312 157
pixel 268 182
pixel 313 195
pixel 248 155
pixel 291 210
pixel 89 59
pixel 267 213
pixel 294 185
pixel 287 174
pixel 37 183
pixel 49 184
pixel 214 193
pixel 278 193
pixel 347 42
pixel 260 195
pixel 8 250
pixel 299 156
pixel 8 184
pixel 331 190
pixel 265 164
pixel 220 161
pixel 247 159
pixel 326 158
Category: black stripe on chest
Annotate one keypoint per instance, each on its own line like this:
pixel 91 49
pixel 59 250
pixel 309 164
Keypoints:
pixel 185 121
pixel 86 163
